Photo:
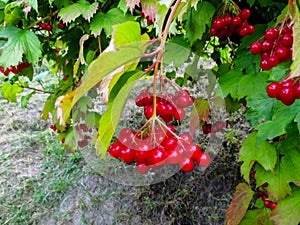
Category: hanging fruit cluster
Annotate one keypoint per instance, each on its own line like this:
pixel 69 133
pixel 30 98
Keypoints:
pixel 154 146
pixel 226 25
pixel 14 69
pixel 274 47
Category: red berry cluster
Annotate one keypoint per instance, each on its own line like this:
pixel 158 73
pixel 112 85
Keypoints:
pixel 226 25
pixel 286 91
pixel 274 47
pixel 14 69
pixel 208 128
pixel 168 107
pixel 160 148
pixel 45 26
pixel 262 193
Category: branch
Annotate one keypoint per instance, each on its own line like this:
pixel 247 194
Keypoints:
pixel 36 89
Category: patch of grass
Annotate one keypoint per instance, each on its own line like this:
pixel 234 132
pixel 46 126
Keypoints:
pixel 32 197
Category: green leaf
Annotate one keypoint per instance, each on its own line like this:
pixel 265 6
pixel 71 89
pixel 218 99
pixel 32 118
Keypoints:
pixel 265 154
pixel 279 72
pixel 287 210
pixel 85 103
pixel 48 107
pixel 257 217
pixel 177 51
pixel 250 2
pixel 19 42
pixel 295 67
pixel 251 84
pixel 70 140
pixel 283 117
pixel 229 83
pixel 127 37
pixel 33 4
pixel 92 119
pixel 105 21
pixel 13 13
pixel 110 119
pixel 25 99
pixel 10 91
pixel 239 204
pixel 81 8
pixel 261 107
pixel 286 171
pixel 297 120
pixel 198 20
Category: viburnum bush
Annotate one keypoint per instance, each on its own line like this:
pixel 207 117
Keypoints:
pixel 105 47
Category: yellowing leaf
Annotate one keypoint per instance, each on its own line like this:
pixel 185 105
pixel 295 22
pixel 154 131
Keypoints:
pixel 200 112
pixel 239 204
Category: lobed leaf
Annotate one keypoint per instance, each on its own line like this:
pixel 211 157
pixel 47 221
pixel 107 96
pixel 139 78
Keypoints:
pixel 81 8
pixel 265 154
pixel 257 217
pixel 20 42
pixel 287 211
pixel 200 112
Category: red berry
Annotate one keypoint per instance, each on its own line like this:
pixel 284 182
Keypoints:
pixel 141 168
pixel 186 165
pixel 186 138
pixel 281 52
pixel 244 31
pixel 273 205
pixel 273 61
pixel 267 46
pixel 297 90
pixel 169 143
pixel 251 29
pixel 218 23
pixel 115 149
pixel 60 26
pixel 159 155
pixel 287 40
pixel 167 118
pixel 265 65
pixel 227 20
pixel 193 151
pixel 274 89
pixel 82 143
pixel 287 83
pixel 148 111
pixel 237 21
pixel 184 101
pixel 252 175
pixel 272 34
pixel 179 114
pixel 245 14
pixel 204 159
pixel 264 196
pixel 213 31
pixel 169 130
pixel 255 47
pixel 287 95
pixel 267 203
pixel 48 27
pixel 127 155
pixel 42 25
pixel 173 156
pixel 265 55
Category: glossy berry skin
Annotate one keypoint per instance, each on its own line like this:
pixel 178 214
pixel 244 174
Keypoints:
pixel 169 143
pixel 287 40
pixel 186 138
pixel 272 34
pixel 281 52
pixel 218 23
pixel 48 27
pixel 179 114
pixel 148 111
pixel 245 14
pixel 193 151
pixel 274 89
pixel 273 61
pixel 127 155
pixel 273 205
pixel 267 203
pixel 297 90
pixel 187 165
pixel 204 159
pixel 115 149
pixel 287 95
pixel 267 45
pixel 141 168
pixel 255 48
pixel 173 157
pixel 265 65
pixel 61 26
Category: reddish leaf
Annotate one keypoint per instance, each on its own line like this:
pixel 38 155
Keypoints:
pixel 239 204
pixel 149 9
pixel 200 112
pixel 132 3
